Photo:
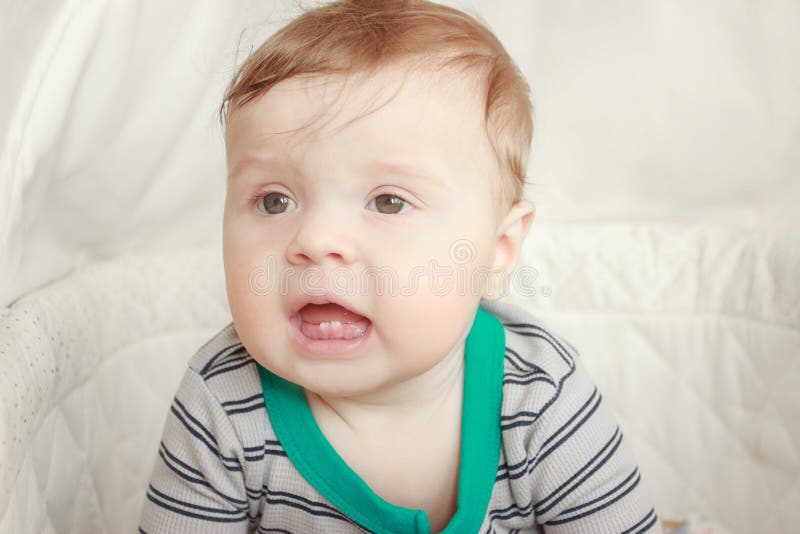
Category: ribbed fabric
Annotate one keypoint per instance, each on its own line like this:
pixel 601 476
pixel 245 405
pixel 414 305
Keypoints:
pixel 564 466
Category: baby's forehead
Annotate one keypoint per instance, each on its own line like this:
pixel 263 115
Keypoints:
pixel 389 76
pixel 408 101
pixel 365 123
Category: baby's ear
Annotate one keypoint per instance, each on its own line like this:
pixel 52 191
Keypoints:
pixel 510 234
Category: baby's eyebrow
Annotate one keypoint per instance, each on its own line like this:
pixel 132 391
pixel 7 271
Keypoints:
pixel 405 170
pixel 374 167
pixel 253 161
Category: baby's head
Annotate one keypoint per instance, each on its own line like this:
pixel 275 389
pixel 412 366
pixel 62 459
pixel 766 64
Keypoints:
pixel 376 156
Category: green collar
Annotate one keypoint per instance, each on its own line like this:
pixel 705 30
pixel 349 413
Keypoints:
pixel 323 468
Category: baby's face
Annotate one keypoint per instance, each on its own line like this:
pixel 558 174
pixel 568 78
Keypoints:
pixel 404 193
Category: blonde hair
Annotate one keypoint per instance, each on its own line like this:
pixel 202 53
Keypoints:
pixel 362 36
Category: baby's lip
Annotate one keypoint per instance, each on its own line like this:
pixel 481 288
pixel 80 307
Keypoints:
pixel 326 298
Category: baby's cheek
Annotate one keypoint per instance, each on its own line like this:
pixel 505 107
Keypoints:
pixel 237 269
pixel 244 307
pixel 427 325
pixel 248 288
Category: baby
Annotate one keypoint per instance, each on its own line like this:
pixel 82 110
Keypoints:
pixel 376 155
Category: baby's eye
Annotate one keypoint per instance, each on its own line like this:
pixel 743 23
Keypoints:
pixel 275 203
pixel 389 204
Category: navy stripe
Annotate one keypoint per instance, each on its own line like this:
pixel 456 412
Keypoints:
pixel 639 523
pixel 512 362
pixel 211 436
pixel 320 513
pixel 202 439
pixel 520 512
pixel 528 374
pixel 507 513
pixel 565 354
pixel 223 370
pixel 257 494
pixel 222 352
pixel 194 515
pixel 188 478
pixel 247 409
pixel 633 474
pixel 257 396
pixel 602 506
pixel 500 512
pixel 267 442
pixel 530 466
pixel 561 351
pixel 529 462
pixel 182 475
pixel 277 530
pixel 516 465
pixel 613 443
pixel 179 462
pixel 264 453
pixel 194 506
pixel 542 455
pixel 306 501
pixel 526 422
pixel 595 396
pixel 231 357
pixel 521 363
pixel 196 421
pixel 212 448
pixel 503 475
pixel 649 525
pixel 561 381
pixel 522 413
pixel 270 447
pixel 557 392
pixel 228 360
pixel 525 382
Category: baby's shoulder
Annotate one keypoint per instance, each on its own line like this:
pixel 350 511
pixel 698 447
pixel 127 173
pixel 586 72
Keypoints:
pixel 223 347
pixel 535 353
pixel 542 373
pixel 228 373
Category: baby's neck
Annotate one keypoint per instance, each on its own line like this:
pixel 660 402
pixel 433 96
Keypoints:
pixel 403 405
pixel 416 424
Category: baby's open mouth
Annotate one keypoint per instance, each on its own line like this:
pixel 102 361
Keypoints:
pixel 331 321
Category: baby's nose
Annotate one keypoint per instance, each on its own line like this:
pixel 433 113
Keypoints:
pixel 321 239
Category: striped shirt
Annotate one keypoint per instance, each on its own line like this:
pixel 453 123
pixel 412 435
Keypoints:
pixel 561 464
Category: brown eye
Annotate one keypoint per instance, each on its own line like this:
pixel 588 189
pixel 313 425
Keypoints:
pixel 275 203
pixel 389 204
